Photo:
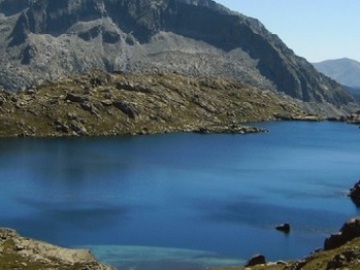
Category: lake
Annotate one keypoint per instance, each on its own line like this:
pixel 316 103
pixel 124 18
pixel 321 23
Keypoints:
pixel 183 201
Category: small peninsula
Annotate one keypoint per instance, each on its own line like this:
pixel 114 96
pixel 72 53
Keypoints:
pixel 102 104
pixel 17 252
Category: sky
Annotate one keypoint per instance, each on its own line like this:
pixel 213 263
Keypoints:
pixel 315 29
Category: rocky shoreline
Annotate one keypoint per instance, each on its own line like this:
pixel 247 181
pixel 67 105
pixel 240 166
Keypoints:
pixel 17 252
pixel 353 118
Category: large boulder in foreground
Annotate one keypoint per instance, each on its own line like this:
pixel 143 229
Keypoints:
pixel 348 232
pixel 17 252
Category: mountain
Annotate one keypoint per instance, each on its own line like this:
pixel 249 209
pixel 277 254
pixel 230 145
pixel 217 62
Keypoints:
pixel 345 71
pixel 42 40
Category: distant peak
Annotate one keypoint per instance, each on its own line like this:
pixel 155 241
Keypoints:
pixel 343 59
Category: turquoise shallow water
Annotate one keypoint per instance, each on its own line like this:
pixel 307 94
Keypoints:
pixel 184 201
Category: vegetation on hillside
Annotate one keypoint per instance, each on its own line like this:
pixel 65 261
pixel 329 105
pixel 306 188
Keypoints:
pixel 98 103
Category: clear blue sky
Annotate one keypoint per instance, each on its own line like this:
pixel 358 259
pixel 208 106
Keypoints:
pixel 315 29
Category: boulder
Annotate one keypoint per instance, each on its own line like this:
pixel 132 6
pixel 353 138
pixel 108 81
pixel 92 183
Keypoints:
pixel 354 194
pixel 75 98
pixel 285 228
pixel 256 260
pixel 126 109
pixel 348 232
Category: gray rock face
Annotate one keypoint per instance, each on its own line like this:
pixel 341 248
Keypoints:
pixel 44 40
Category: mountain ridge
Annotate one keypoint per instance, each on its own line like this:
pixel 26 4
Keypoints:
pixel 344 70
pixel 44 40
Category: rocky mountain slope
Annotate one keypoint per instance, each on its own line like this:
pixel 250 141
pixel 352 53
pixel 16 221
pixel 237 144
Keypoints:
pixel 345 71
pixel 43 40
pixel 99 103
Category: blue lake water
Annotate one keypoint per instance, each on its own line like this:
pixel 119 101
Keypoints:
pixel 183 201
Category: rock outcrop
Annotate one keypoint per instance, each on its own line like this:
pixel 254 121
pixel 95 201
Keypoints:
pixel 44 39
pixel 348 232
pixel 99 103
pixel 354 194
pixel 17 252
pixel 285 228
